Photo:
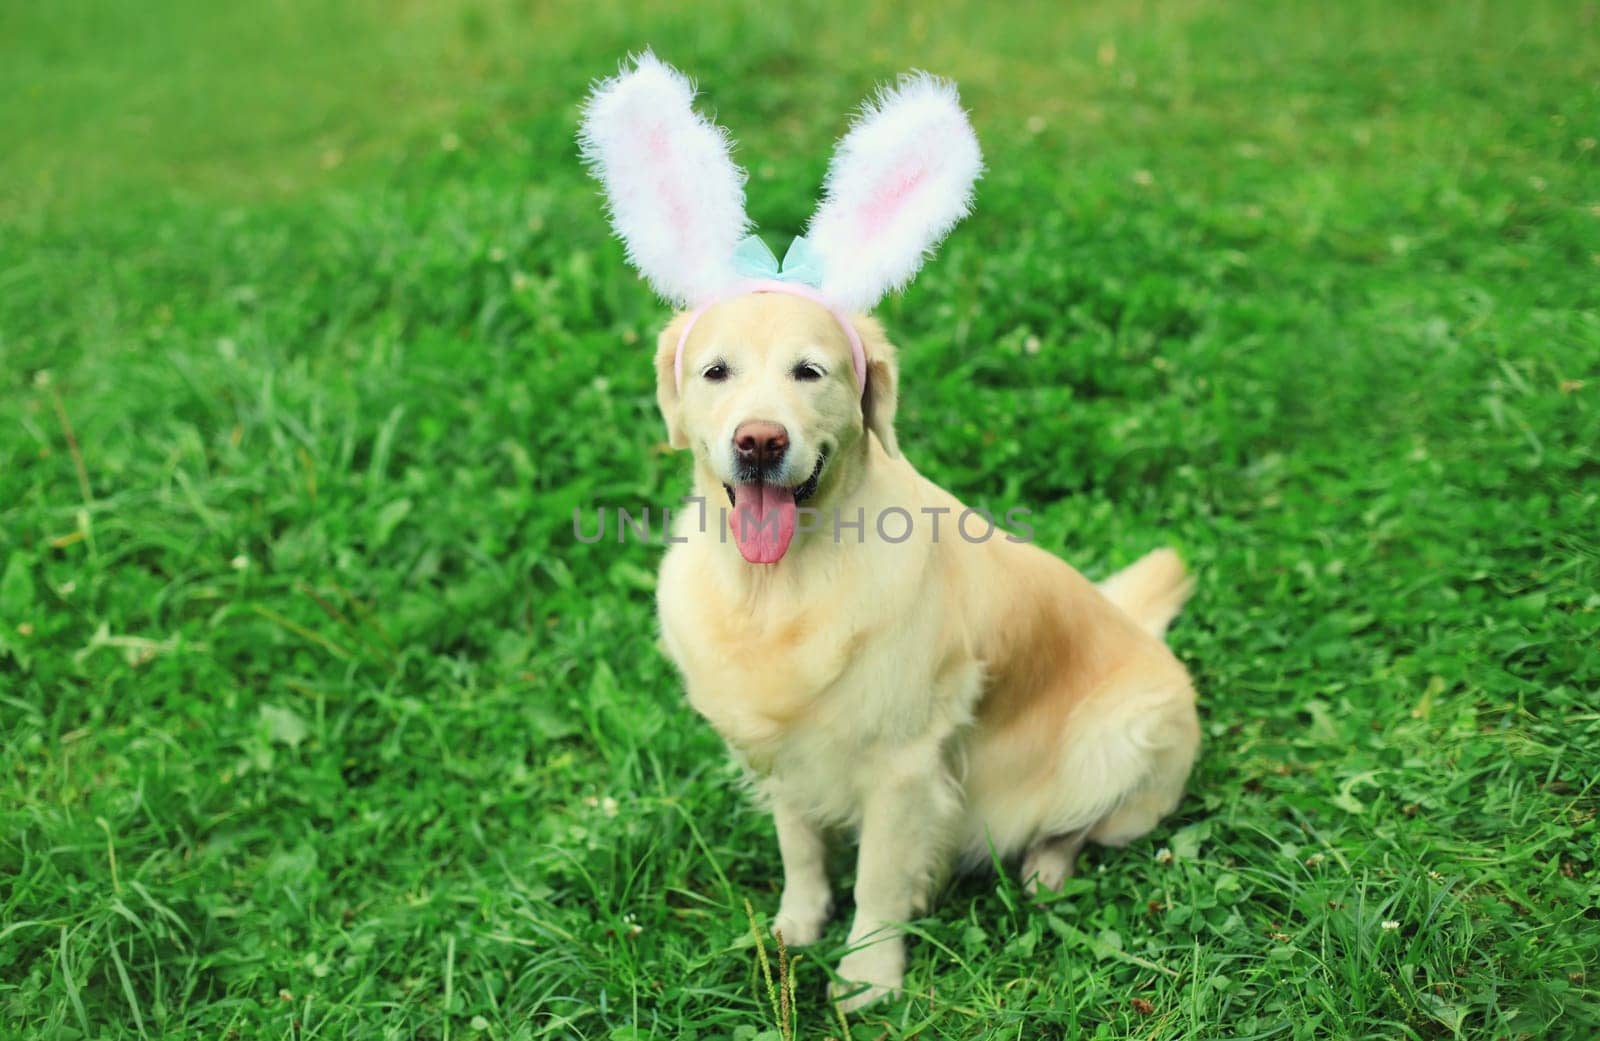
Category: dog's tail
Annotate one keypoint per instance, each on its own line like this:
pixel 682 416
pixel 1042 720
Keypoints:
pixel 1152 589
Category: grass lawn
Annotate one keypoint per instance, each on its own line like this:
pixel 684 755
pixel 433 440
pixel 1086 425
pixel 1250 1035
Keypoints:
pixel 316 721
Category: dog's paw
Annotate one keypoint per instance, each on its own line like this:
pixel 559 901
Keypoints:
pixel 869 975
pixel 798 931
pixel 801 914
pixel 1050 863
pixel 1043 873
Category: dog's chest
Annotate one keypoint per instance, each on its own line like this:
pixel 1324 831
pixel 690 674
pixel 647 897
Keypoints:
pixel 803 678
pixel 759 676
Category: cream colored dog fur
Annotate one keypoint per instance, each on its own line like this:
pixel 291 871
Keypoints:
pixel 938 697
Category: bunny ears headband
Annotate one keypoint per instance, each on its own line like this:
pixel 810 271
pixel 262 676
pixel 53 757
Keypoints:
pixel 899 181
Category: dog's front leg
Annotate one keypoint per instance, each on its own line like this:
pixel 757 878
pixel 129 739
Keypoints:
pixel 807 900
pixel 903 835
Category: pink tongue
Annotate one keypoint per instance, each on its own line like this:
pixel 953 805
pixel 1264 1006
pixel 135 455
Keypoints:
pixel 762 522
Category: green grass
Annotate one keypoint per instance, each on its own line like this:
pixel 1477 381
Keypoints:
pixel 316 721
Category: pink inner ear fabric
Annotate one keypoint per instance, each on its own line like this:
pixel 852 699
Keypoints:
pixel 677 210
pixel 858 355
pixel 885 202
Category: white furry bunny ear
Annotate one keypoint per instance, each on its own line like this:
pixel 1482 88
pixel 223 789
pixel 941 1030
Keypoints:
pixel 899 181
pixel 676 198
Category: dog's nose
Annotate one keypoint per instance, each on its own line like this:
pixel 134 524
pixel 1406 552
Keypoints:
pixel 760 444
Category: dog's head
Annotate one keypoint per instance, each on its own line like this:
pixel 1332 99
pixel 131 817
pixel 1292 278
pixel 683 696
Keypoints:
pixel 772 376
pixel 769 404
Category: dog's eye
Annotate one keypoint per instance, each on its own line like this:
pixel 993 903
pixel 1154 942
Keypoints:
pixel 716 373
pixel 805 372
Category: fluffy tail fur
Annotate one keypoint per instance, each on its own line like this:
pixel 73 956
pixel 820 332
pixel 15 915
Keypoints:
pixel 1152 590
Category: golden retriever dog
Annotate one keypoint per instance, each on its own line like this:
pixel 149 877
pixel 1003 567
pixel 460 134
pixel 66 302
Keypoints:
pixel 937 695
pixel 879 658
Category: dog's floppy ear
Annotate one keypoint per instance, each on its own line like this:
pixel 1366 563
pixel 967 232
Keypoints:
pixel 675 196
pixel 899 181
pixel 667 380
pixel 882 395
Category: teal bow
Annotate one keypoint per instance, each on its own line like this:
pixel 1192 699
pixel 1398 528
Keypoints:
pixel 802 264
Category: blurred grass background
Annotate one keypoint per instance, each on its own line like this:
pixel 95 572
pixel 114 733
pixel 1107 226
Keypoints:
pixel 107 101
pixel 317 722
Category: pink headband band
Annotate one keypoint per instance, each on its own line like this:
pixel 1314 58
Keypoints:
pixel 858 356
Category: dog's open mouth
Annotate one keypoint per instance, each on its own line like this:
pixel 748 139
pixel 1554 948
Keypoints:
pixel 764 514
